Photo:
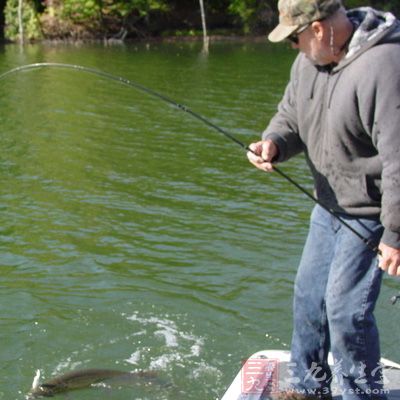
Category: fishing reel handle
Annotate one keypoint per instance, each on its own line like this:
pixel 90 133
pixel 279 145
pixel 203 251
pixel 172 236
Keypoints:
pixel 394 299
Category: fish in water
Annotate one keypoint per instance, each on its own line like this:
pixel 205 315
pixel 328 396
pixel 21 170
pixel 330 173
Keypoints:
pixel 84 378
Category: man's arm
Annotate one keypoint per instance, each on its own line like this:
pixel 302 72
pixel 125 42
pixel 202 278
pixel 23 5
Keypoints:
pixel 379 100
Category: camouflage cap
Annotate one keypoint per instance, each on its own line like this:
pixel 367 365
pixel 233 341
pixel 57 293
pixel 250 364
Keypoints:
pixel 294 14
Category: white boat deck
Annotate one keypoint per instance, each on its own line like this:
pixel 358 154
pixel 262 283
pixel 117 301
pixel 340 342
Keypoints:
pixel 249 384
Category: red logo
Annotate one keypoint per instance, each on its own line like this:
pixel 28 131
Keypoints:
pixel 260 375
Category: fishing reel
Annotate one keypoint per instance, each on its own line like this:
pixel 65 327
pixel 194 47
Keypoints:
pixel 394 298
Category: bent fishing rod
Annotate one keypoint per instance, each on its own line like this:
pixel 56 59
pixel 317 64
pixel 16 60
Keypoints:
pixel 372 246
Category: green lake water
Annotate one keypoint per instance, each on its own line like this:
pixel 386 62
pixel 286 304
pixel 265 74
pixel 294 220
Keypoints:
pixel 132 235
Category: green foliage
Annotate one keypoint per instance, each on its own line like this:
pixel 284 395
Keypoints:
pixel 89 10
pixel 86 19
pixel 385 5
pixel 31 26
pixel 78 19
pixel 254 15
pixel 81 10
pixel 243 8
pixel 97 17
pixel 126 7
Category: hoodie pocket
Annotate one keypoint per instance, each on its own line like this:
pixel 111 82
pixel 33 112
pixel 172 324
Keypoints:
pixel 354 191
pixel 373 188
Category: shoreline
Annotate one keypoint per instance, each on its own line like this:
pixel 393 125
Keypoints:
pixel 148 40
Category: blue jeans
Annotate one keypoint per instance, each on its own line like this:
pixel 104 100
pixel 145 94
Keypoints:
pixel 336 288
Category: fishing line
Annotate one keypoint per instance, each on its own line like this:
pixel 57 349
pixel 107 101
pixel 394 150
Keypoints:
pixel 183 108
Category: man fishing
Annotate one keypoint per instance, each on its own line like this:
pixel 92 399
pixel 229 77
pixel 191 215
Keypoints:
pixel 341 108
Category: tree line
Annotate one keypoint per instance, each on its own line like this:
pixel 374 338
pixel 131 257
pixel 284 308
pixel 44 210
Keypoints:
pixel 121 19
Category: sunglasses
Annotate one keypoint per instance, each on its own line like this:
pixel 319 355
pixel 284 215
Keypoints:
pixel 294 37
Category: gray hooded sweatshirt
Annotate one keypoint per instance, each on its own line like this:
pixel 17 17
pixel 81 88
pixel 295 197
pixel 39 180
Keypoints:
pixel 346 119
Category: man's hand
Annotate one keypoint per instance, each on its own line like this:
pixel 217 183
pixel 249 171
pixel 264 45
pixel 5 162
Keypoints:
pixel 262 153
pixel 389 261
